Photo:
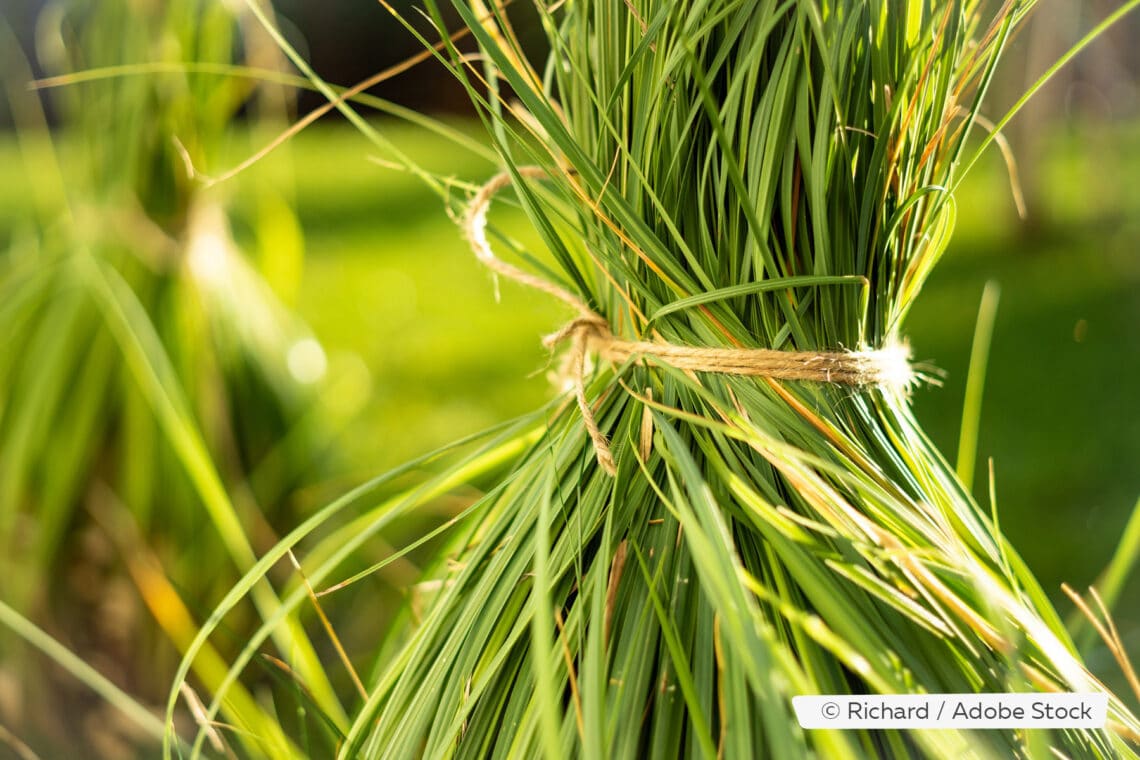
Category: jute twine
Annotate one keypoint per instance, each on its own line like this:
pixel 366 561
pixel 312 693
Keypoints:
pixel 589 332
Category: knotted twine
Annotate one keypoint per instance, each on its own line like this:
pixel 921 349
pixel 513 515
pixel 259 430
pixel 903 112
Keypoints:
pixel 590 332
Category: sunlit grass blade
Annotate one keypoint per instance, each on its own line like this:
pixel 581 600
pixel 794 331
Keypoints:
pixel 975 384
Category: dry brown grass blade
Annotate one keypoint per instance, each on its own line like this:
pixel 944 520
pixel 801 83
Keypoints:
pixel 198 711
pixel 329 629
pixel 616 568
pixel 1106 629
pixel 325 108
pixel 572 676
pixel 1010 163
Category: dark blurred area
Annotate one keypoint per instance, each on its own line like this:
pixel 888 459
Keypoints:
pixel 346 41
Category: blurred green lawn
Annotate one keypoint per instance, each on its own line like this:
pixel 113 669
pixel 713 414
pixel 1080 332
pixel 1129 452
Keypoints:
pixel 389 285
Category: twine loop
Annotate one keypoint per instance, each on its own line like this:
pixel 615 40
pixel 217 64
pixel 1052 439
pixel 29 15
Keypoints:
pixel 887 367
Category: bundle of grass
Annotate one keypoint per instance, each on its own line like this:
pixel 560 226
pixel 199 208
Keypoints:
pixel 733 505
pixel 153 419
pixel 729 175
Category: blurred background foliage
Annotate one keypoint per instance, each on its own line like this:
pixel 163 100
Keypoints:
pixel 319 319
pixel 159 407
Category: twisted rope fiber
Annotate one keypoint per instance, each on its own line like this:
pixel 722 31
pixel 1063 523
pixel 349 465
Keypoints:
pixel 590 332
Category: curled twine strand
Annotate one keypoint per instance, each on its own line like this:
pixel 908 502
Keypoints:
pixel 589 331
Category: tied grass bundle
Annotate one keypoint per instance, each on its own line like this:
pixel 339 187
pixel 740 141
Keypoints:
pixel 730 174
pixel 719 174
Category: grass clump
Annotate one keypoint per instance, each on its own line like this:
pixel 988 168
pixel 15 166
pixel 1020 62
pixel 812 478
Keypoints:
pixel 718 174
pixel 708 163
